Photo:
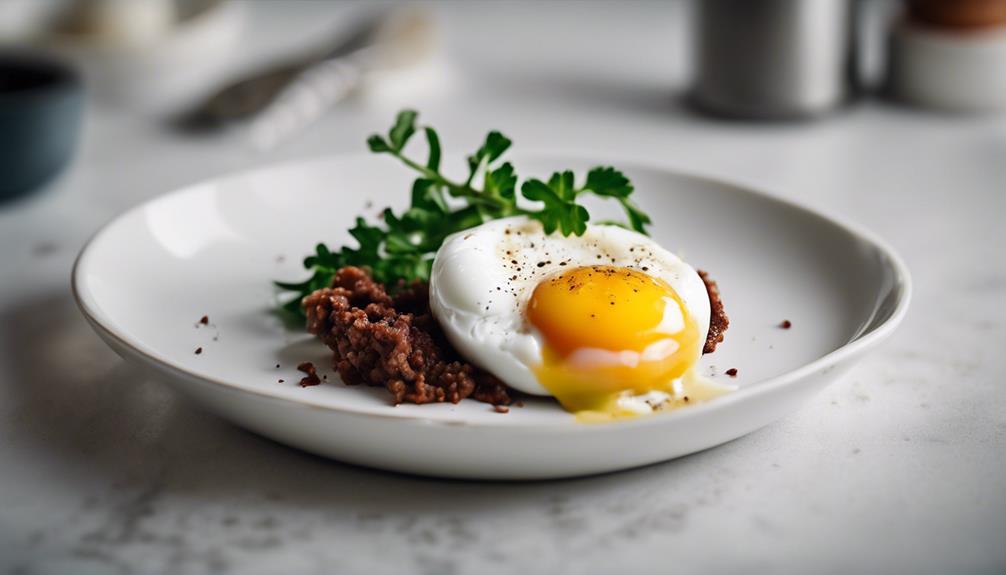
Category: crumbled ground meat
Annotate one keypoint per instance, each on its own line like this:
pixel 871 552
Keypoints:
pixel 312 374
pixel 394 342
pixel 718 320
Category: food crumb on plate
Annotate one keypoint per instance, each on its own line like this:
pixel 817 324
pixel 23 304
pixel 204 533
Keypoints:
pixel 312 374
pixel 732 372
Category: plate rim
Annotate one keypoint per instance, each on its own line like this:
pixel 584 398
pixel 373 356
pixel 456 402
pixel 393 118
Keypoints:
pixel 870 336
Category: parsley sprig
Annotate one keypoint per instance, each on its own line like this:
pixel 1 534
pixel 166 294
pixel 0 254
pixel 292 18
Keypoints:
pixel 402 246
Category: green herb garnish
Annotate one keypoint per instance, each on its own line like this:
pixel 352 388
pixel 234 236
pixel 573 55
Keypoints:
pixel 402 246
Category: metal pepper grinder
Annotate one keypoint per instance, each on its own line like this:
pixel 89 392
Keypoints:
pixel 773 59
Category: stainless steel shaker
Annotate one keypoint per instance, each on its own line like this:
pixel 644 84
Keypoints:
pixel 773 59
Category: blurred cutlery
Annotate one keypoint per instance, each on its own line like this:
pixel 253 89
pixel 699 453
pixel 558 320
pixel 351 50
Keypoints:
pixel 280 100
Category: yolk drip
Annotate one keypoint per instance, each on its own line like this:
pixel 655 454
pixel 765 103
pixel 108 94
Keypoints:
pixel 608 330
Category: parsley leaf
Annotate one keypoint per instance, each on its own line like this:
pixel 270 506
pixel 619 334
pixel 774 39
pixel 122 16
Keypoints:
pixel 561 210
pixel 494 146
pixel 405 126
pixel 433 141
pixel 502 183
pixel 607 181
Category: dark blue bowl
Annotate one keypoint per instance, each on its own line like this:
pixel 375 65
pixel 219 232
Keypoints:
pixel 41 107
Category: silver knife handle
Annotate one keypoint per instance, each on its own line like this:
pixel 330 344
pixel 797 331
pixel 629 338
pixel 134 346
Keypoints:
pixel 307 98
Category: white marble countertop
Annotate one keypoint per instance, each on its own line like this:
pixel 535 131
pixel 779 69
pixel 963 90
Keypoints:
pixel 898 468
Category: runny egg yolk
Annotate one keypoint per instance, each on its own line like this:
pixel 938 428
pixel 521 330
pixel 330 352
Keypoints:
pixel 608 330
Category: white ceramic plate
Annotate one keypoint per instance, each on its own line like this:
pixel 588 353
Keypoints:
pixel 146 279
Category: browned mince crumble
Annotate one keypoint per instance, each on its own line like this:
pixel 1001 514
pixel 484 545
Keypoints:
pixel 394 341
pixel 312 374
pixel 718 320
pixel 379 340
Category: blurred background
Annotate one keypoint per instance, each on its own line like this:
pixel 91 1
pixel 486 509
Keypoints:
pixel 233 83
pixel 887 112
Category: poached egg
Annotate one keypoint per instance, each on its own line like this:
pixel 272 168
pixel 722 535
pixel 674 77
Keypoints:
pixel 608 323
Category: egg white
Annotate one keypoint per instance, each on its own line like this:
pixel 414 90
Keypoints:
pixel 483 278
